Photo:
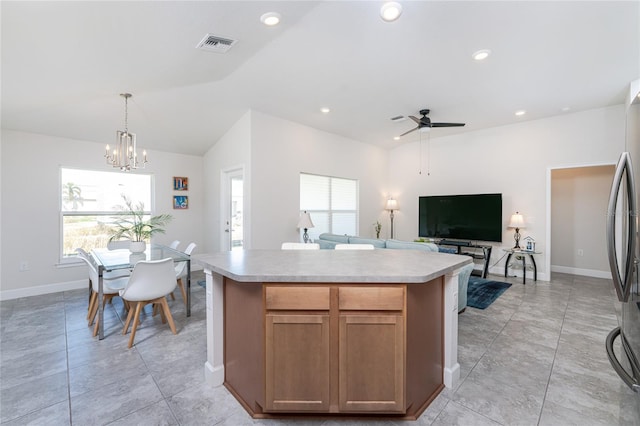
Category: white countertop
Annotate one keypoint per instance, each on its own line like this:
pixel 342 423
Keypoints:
pixel 326 266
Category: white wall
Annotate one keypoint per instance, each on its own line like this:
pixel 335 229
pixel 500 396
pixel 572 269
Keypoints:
pixel 282 150
pixel 231 151
pixel 579 198
pixel 30 206
pixel 513 160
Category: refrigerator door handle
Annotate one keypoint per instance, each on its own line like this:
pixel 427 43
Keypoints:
pixel 629 380
pixel 622 283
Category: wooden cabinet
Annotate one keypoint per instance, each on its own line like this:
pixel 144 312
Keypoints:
pixel 297 358
pixel 372 349
pixel 297 349
pixel 336 349
pixel 371 363
pixel 354 334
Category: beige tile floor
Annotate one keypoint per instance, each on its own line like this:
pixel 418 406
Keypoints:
pixel 534 357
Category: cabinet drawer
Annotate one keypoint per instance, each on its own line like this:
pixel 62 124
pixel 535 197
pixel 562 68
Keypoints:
pixel 296 298
pixel 371 298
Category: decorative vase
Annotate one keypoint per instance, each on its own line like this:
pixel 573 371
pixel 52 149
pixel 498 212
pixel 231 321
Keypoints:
pixel 137 246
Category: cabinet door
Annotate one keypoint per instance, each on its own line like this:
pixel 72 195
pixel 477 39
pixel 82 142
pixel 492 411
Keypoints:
pixel 297 362
pixel 371 366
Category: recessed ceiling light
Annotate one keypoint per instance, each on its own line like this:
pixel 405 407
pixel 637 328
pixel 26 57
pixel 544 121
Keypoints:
pixel 521 113
pixel 481 54
pixel 325 110
pixel 390 11
pixel 270 19
pixel 396 138
pixel 565 109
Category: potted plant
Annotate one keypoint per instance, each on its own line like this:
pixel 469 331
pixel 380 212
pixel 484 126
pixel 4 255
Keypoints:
pixel 134 227
pixel 377 227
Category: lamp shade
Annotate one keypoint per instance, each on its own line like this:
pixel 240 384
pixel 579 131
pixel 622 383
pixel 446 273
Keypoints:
pixel 305 221
pixel 391 204
pixel 517 221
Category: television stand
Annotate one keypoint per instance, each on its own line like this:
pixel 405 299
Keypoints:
pixel 475 253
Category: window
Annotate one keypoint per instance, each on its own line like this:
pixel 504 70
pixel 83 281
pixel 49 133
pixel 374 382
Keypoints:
pixel 331 202
pixel 89 203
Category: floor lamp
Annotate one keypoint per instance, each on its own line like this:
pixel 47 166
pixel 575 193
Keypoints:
pixel 391 206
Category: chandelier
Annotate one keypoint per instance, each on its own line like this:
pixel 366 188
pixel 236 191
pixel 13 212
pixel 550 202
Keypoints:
pixel 125 154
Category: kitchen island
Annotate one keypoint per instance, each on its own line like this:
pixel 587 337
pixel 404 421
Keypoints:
pixel 335 333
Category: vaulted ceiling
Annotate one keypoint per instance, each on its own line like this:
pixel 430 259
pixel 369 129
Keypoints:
pixel 64 65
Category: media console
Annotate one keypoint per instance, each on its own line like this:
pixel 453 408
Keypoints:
pixel 472 250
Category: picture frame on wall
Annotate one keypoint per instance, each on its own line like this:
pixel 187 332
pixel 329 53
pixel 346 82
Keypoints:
pixel 180 183
pixel 180 202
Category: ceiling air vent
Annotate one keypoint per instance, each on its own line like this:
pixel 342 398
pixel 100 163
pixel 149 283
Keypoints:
pixel 214 43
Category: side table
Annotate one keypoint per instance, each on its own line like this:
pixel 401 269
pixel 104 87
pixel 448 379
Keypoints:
pixel 522 253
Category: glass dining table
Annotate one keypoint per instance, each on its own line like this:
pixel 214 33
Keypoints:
pixel 113 260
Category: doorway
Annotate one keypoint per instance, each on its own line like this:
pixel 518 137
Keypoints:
pixel 232 203
pixel 577 216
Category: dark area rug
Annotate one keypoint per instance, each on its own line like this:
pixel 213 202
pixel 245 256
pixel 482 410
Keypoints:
pixel 482 293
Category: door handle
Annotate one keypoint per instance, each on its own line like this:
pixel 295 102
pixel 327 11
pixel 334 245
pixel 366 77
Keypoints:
pixel 627 378
pixel 622 283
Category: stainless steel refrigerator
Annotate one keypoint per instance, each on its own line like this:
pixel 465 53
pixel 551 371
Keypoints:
pixel 623 246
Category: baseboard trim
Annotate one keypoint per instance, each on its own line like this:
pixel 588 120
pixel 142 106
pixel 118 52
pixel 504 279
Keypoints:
pixel 580 271
pixel 43 289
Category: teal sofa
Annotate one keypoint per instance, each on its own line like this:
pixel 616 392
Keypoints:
pixel 329 241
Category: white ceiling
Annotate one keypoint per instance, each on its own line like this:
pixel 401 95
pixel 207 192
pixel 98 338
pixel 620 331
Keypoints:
pixel 65 63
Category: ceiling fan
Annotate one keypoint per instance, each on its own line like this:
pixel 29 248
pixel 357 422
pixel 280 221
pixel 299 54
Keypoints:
pixel 425 121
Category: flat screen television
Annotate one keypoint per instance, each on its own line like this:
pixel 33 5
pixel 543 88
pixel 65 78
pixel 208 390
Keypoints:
pixel 461 217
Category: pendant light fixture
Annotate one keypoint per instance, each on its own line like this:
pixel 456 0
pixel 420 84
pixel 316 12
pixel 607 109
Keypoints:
pixel 125 154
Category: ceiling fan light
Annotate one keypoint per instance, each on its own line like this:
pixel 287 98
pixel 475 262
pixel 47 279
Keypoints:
pixel 424 129
pixel 390 11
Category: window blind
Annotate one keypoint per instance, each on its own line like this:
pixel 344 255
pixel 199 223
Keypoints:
pixel 332 203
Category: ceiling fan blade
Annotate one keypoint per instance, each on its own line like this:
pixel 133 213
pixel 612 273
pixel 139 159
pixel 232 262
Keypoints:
pixel 447 124
pixel 412 130
pixel 417 120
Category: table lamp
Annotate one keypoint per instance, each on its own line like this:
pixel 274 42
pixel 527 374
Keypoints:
pixel 391 206
pixel 305 223
pixel 517 222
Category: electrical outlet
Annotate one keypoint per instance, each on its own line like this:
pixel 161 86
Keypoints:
pixel 24 266
pixel 580 252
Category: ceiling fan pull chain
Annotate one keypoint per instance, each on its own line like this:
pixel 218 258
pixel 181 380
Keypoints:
pixel 419 153
pixel 429 155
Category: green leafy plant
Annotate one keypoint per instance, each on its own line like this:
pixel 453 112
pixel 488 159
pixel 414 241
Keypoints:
pixel 133 226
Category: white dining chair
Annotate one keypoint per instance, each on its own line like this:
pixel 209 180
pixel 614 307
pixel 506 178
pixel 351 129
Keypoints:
pixel 181 271
pixel 354 247
pixel 119 244
pixel 300 246
pixel 174 244
pixel 110 288
pixel 150 282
